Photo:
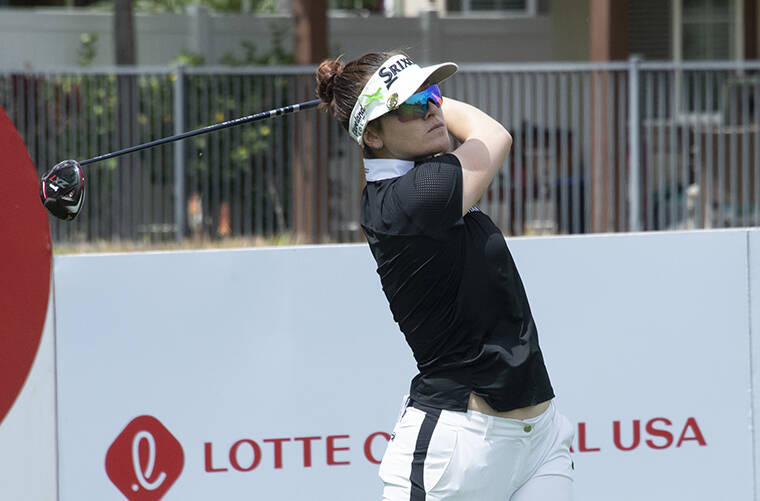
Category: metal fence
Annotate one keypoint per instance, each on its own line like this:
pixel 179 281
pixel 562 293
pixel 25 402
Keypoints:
pixel 597 148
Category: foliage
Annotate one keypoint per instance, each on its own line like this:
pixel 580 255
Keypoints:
pixel 276 55
pixel 178 6
pixel 188 58
pixel 76 116
pixel 87 50
pixel 252 142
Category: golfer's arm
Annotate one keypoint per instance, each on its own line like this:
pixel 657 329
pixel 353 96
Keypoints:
pixel 485 145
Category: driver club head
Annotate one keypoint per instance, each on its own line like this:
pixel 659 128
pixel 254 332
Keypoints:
pixel 62 190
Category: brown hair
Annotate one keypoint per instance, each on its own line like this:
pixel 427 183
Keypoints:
pixel 339 85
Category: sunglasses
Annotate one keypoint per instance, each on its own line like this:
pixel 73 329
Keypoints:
pixel 417 106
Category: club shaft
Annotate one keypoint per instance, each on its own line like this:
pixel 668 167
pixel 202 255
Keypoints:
pixel 223 125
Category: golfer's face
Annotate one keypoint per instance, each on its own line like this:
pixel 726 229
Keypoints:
pixel 416 138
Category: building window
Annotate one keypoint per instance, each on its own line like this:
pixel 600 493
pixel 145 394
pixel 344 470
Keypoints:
pixel 708 29
pixel 365 5
pixel 650 29
pixel 492 6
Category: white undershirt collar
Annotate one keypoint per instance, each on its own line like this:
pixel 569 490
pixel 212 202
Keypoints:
pixel 377 169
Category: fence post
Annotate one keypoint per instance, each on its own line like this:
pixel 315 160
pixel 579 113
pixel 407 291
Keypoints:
pixel 634 144
pixel 430 30
pixel 201 39
pixel 179 153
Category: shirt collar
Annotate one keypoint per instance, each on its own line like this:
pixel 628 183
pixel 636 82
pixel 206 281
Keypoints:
pixel 377 169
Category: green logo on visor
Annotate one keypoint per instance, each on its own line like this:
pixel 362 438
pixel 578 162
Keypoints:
pixel 373 97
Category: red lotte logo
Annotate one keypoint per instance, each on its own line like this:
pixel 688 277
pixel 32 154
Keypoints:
pixel 144 460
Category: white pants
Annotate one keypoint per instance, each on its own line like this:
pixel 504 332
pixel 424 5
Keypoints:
pixel 469 456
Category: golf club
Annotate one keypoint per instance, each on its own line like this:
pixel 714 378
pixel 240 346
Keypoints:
pixel 62 187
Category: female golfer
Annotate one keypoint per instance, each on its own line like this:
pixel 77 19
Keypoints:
pixel 480 423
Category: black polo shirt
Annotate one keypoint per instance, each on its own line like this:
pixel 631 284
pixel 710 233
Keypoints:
pixel 453 288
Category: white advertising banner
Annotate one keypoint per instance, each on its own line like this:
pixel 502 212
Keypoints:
pixel 27 432
pixel 277 373
pixel 273 374
pixel 753 251
pixel 27 363
pixel 646 340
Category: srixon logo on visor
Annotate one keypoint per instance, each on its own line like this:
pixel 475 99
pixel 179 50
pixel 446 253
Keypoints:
pixel 144 460
pixel 389 72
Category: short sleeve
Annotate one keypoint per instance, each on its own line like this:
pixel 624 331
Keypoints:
pixel 431 193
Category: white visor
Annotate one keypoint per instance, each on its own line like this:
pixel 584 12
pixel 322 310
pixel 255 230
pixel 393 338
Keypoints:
pixel 392 84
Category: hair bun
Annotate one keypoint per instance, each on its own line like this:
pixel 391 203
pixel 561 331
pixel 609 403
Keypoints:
pixel 326 74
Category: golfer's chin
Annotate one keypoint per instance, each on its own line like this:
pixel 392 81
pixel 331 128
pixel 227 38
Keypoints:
pixel 421 147
pixel 437 146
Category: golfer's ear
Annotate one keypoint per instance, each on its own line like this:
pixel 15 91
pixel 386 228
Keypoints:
pixel 372 136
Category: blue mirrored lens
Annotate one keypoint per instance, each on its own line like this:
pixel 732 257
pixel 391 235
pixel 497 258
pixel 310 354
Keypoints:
pixel 422 97
pixel 417 105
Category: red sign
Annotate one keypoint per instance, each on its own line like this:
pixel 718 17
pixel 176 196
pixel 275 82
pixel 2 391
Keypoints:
pixel 335 448
pixel 659 434
pixel 144 460
pixel 25 265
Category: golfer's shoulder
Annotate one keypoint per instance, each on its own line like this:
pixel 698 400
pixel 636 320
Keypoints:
pixel 433 182
pixel 429 195
pixel 446 164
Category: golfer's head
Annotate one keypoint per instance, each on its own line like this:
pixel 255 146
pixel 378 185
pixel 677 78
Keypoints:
pixel 388 104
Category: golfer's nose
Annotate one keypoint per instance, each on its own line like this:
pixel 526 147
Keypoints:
pixel 432 107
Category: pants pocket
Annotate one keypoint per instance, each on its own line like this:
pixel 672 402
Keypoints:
pixel 398 465
pixel 442 447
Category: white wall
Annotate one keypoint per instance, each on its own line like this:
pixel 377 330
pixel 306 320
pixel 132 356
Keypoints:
pixel 645 326
pixel 273 346
pixel 281 343
pixel 27 434
pixel 570 29
pixel 753 291
pixel 44 37
pixel 27 355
